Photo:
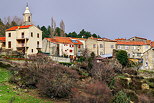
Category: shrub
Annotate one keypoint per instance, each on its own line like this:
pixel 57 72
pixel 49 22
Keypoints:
pixel 57 82
pixel 121 97
pixel 95 92
pixel 122 57
pixel 52 79
pixel 103 71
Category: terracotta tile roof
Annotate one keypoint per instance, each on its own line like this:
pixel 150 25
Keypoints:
pixel 139 38
pixel 131 43
pixel 18 27
pixel 2 39
pixel 120 39
pixel 152 44
pixel 103 39
pixel 64 40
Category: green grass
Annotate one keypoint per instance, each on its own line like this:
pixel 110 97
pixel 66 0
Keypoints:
pixel 7 94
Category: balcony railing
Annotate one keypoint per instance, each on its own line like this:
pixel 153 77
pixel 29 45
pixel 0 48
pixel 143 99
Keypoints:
pixel 21 45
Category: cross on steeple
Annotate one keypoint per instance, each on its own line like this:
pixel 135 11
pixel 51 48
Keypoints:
pixel 27 4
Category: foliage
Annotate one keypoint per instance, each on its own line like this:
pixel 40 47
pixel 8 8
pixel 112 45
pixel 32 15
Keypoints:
pixel 92 92
pixel 9 22
pixel 121 97
pixel 9 95
pixel 51 78
pixel 57 83
pixel 122 57
pixel 103 71
pixel 82 34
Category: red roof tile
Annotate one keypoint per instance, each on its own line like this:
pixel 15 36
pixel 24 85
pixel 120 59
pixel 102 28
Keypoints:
pixel 131 43
pixel 18 27
pixel 2 38
pixel 152 44
pixel 64 40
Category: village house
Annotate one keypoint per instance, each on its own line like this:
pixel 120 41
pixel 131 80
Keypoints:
pixel 148 59
pixel 135 49
pixel 100 46
pixel 26 38
pixel 2 42
pixel 62 46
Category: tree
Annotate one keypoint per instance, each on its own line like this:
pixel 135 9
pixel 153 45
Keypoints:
pixel 121 97
pixel 122 57
pixel 45 33
pixel 73 34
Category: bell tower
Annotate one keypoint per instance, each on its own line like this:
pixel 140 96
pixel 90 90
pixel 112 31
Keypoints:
pixel 27 17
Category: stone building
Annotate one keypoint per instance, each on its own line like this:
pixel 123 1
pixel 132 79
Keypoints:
pixel 26 38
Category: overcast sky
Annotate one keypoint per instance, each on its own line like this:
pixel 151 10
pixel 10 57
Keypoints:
pixel 107 18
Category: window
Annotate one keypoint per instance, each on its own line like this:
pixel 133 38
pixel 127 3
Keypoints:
pixel 31 34
pixel 79 46
pixel 9 44
pixel 9 35
pixel 32 50
pixel 134 47
pixel 38 35
pixel 94 45
pixel 29 19
pixel 38 44
pixel 112 46
pixel 126 47
pixel 22 35
pixel 119 47
pixel 74 41
pixel 101 45
pixel 139 54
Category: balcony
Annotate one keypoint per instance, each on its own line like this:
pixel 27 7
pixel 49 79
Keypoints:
pixel 22 37
pixel 21 45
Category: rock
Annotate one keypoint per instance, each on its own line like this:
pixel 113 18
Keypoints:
pixel 145 86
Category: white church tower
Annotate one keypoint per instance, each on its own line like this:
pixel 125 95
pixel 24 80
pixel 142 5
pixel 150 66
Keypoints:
pixel 27 17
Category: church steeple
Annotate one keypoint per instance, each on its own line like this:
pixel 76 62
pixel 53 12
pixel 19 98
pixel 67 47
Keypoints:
pixel 27 16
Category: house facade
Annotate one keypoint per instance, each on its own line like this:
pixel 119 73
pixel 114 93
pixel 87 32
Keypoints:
pixel 26 39
pixel 135 49
pixel 148 59
pixel 62 46
pixel 2 42
pixel 100 46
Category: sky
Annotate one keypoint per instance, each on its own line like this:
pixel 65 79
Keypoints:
pixel 107 18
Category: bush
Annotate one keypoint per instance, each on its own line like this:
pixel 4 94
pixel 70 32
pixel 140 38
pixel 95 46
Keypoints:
pixel 58 82
pixel 52 79
pixel 122 57
pixel 121 97
pixel 95 92
pixel 103 71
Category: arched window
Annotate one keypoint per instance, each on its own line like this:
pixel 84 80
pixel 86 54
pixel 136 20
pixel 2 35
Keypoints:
pixel 29 19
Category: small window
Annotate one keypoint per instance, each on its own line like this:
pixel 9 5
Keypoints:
pixel 126 47
pixel 22 35
pixel 101 45
pixel 9 35
pixel 38 35
pixel 71 50
pixel 112 46
pixel 31 34
pixel 94 45
pixel 32 50
pixel 38 43
pixel 9 44
pixel 79 46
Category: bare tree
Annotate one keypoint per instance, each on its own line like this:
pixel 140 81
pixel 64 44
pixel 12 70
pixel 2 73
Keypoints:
pixel 53 27
pixel 62 28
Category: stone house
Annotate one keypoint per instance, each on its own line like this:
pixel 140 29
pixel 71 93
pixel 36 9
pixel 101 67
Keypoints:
pixel 62 46
pixel 148 59
pixel 26 38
